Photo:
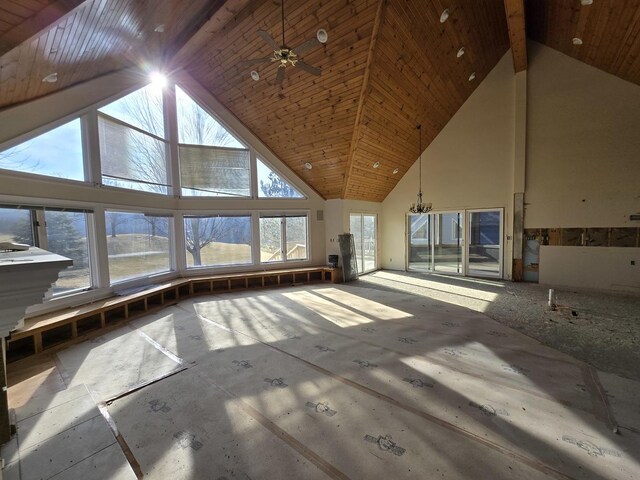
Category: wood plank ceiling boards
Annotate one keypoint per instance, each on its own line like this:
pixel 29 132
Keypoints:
pixel 608 29
pixel 22 19
pixel 95 38
pixel 517 35
pixel 388 65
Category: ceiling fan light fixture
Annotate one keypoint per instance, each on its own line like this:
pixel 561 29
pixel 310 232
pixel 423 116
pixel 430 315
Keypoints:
pixel 308 166
pixel 576 41
pixel 472 77
pixel 51 78
pixel 322 35
pixel 255 75
pixel 460 52
pixel 444 15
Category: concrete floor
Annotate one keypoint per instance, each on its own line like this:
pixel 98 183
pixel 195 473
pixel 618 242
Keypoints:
pixel 320 381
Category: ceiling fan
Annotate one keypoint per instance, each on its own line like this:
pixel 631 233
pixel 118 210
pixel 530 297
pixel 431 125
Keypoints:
pixel 284 55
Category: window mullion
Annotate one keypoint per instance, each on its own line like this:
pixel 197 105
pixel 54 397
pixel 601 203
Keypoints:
pixel 254 174
pixel 91 148
pixel 171 133
pixel 99 250
pixel 179 243
pixel 283 238
pixel 40 228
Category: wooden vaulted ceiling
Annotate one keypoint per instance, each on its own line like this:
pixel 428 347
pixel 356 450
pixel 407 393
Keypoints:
pixel 388 65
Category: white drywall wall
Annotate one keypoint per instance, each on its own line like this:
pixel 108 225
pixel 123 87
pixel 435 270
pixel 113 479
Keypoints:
pixel 468 165
pixel 602 268
pixel 583 144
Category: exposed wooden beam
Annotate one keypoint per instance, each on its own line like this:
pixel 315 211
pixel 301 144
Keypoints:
pixel 514 10
pixel 211 21
pixel 36 23
pixel 363 95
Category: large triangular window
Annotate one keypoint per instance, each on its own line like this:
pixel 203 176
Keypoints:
pixel 56 153
pixel 212 161
pixel 133 150
pixel 272 185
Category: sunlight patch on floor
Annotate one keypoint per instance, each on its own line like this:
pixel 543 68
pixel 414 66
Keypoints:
pixel 341 316
pixel 375 309
pixel 472 298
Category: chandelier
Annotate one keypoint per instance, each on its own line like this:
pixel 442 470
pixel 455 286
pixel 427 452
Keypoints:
pixel 420 207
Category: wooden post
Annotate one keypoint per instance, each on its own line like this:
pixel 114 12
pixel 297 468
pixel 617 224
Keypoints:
pixel 5 424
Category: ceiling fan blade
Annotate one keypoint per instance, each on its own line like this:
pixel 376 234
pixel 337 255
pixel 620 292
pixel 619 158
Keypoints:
pixel 280 75
pixel 308 45
pixel 308 68
pixel 268 38
pixel 253 61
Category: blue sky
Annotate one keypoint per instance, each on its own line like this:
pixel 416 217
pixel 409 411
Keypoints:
pixel 57 153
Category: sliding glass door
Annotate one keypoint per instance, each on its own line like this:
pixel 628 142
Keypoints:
pixel 420 242
pixel 440 242
pixel 363 228
pixel 448 241
pixel 484 257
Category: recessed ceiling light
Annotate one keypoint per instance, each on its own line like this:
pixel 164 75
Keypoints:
pixel 586 2
pixel 255 75
pixel 308 166
pixel 460 52
pixel 51 78
pixel 576 41
pixel 444 15
pixel 322 35
pixel 376 165
pixel 396 170
pixel 159 28
pixel 472 76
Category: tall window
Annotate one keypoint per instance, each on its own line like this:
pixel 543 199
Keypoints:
pixel 56 153
pixel 283 238
pixel 270 184
pixel 56 230
pixel 212 161
pixel 138 244
pixel 217 241
pixel 133 151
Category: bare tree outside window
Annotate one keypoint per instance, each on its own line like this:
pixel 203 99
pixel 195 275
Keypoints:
pixel 147 157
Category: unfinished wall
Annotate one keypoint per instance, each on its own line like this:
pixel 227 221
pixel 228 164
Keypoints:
pixel 601 268
pixel 468 165
pixel 583 144
pixel 583 164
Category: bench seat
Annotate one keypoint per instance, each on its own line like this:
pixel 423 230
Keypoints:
pixel 54 330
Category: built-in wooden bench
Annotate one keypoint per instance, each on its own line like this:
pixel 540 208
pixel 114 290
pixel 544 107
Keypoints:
pixel 56 329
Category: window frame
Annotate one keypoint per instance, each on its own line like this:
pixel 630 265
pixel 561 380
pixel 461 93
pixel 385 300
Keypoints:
pixel 85 148
pixel 259 158
pixel 225 214
pixel 38 218
pixel 283 236
pixel 171 242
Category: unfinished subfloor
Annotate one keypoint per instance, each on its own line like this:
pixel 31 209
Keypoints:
pixel 359 381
